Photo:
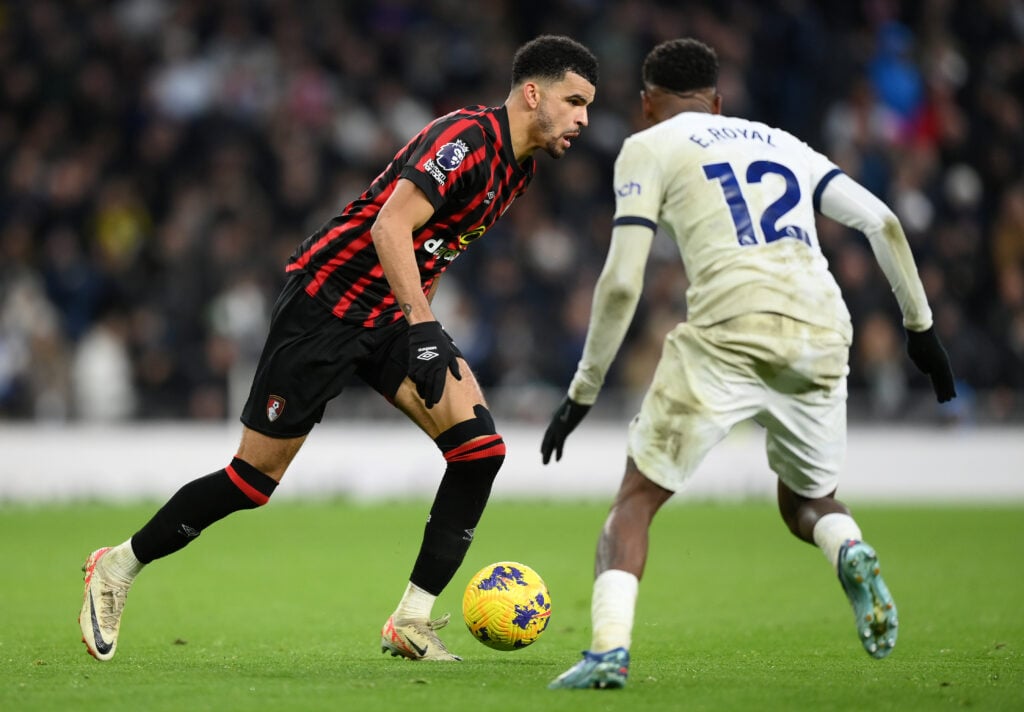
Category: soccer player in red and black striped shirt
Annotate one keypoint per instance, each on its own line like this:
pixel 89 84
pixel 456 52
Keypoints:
pixel 357 303
pixel 465 167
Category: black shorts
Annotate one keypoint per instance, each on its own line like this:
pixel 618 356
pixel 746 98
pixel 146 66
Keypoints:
pixel 309 357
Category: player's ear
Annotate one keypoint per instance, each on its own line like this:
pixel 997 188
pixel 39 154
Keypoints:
pixel 531 94
pixel 647 107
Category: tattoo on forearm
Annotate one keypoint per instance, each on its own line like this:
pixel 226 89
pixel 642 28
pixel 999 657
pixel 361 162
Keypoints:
pixel 407 309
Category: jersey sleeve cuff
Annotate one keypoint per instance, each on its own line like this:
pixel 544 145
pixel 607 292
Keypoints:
pixel 635 220
pixel 425 183
pixel 582 392
pixel 822 185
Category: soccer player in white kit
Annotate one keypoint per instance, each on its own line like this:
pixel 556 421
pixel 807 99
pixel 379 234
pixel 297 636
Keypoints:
pixel 767 336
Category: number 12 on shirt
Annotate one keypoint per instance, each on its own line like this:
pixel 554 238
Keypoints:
pixel 724 174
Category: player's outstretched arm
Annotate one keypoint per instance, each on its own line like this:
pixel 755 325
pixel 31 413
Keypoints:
pixel 853 205
pixel 616 295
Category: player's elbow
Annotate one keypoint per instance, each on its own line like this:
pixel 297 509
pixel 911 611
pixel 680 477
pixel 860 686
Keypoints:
pixel 881 220
pixel 390 223
pixel 380 228
pixel 618 294
pixel 892 231
pixel 376 230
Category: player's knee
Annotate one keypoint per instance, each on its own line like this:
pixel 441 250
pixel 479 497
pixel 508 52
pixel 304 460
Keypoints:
pixel 801 514
pixel 474 441
pixel 256 486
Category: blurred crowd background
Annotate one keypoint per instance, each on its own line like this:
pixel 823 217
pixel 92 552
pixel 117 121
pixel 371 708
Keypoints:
pixel 161 159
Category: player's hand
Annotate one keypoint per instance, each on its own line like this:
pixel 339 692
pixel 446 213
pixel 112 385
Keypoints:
pixel 925 350
pixel 564 421
pixel 432 353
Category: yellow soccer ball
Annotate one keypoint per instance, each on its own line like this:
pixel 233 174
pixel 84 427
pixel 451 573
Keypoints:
pixel 506 606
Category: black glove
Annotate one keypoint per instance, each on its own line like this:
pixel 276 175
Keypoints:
pixel 432 353
pixel 564 421
pixel 925 350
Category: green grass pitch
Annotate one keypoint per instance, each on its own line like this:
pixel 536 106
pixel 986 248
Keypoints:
pixel 280 609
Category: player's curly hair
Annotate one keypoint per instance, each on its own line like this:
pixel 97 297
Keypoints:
pixel 550 57
pixel 681 65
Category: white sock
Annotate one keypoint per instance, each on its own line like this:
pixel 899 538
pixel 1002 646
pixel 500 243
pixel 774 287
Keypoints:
pixel 120 562
pixel 416 604
pixel 612 609
pixel 831 532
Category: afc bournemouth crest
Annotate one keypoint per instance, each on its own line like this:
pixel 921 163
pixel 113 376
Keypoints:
pixel 275 406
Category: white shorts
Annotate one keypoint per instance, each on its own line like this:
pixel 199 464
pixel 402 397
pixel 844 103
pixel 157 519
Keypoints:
pixel 787 375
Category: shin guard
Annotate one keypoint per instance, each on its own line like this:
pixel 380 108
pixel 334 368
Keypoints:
pixel 199 504
pixel 474 453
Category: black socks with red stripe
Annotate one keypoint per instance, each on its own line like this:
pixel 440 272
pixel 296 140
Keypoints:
pixel 199 504
pixel 474 453
pixel 460 499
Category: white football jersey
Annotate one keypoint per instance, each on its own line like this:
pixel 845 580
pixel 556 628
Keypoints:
pixel 738 197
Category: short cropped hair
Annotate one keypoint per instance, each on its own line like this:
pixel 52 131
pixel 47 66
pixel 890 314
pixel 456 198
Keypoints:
pixel 550 57
pixel 681 66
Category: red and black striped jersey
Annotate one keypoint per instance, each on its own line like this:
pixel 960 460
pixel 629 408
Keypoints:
pixel 465 165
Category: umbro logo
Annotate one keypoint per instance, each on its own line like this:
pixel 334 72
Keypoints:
pixel 188 531
pixel 427 353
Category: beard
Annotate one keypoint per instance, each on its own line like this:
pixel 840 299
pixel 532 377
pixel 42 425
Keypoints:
pixel 546 127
